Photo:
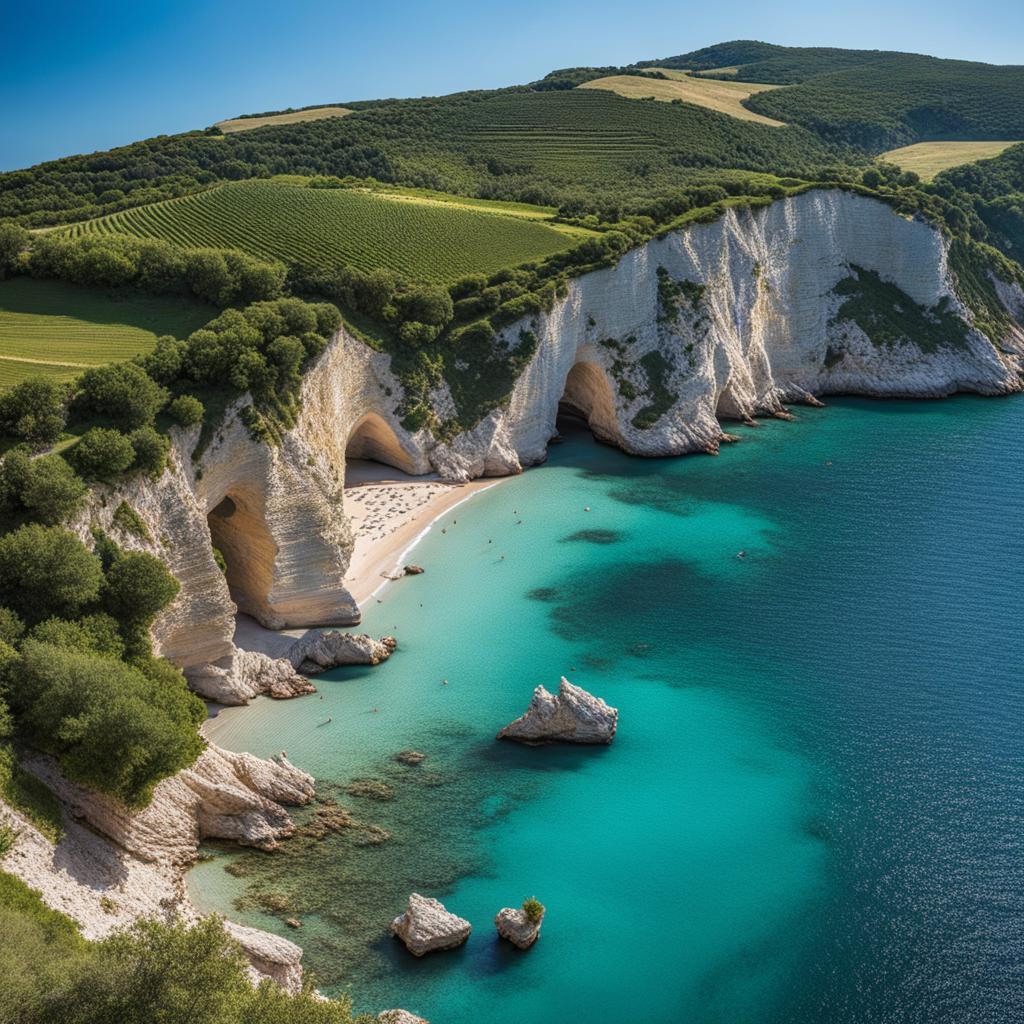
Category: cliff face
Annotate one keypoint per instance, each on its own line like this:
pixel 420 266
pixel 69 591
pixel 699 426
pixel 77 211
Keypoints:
pixel 730 320
pixel 726 320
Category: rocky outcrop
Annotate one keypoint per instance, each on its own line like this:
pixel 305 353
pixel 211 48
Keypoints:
pixel 114 866
pixel 320 651
pixel 574 716
pixel 224 795
pixel 514 924
pixel 399 1017
pixel 269 955
pixel 252 673
pixel 427 926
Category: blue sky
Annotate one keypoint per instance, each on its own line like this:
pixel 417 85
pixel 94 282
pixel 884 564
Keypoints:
pixel 80 77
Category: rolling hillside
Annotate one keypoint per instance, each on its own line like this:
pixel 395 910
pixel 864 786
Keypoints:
pixel 58 329
pixel 324 227
pixel 724 97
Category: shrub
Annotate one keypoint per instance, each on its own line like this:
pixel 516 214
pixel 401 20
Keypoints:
pixel 127 519
pixel 163 364
pixel 151 451
pixel 103 454
pixel 110 727
pixel 533 909
pixel 52 491
pixel 92 634
pixel 11 626
pixel 186 410
pixel 47 571
pixel 137 586
pixel 124 392
pixel 34 410
pixel 14 241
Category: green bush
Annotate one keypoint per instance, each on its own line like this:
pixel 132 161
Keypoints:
pixel 163 364
pixel 34 411
pixel 137 586
pixel 110 726
pixel 186 410
pixel 47 488
pixel 11 626
pixel 103 454
pixel 127 519
pixel 533 908
pixel 151 451
pixel 14 240
pixel 47 571
pixel 123 393
pixel 93 634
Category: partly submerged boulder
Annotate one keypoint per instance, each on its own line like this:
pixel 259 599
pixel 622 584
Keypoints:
pixel 518 927
pixel 427 926
pixel 318 652
pixel 574 716
pixel 399 1017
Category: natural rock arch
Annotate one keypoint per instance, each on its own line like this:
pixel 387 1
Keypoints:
pixel 588 394
pixel 375 439
pixel 239 532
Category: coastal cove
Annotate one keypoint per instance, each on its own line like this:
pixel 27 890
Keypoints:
pixel 810 807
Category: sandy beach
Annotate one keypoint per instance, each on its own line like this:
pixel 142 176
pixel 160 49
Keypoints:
pixel 389 510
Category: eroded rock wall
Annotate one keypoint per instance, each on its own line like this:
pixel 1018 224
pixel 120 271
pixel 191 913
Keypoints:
pixel 726 320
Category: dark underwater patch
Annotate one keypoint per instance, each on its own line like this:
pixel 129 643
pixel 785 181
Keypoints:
pixel 596 536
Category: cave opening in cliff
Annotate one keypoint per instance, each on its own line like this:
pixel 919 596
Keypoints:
pixel 588 401
pixel 373 440
pixel 238 531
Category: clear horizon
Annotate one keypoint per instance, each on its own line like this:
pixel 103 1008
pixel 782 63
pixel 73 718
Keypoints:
pixel 77 81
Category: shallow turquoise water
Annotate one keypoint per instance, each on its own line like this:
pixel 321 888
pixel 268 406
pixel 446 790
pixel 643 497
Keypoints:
pixel 814 806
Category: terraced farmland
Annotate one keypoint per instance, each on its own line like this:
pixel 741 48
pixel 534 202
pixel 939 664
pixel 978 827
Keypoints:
pixel 57 329
pixel 425 240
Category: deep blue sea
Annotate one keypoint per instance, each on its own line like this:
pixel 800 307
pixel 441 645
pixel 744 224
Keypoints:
pixel 813 810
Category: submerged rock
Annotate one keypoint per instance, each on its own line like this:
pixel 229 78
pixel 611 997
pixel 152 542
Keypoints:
pixel 413 570
pixel 518 927
pixel 318 652
pixel 427 926
pixel 410 757
pixel 574 716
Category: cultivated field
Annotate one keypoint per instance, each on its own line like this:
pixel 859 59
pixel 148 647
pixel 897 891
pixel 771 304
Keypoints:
pixel 929 158
pixel 57 329
pixel 723 97
pixel 422 238
pixel 246 124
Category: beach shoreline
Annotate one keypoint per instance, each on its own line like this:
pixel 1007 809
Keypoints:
pixel 390 513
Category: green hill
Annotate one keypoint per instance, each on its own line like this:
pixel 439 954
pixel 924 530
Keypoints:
pixel 873 99
pixel 323 227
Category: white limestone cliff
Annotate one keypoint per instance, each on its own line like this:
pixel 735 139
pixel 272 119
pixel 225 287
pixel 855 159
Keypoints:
pixel 762 334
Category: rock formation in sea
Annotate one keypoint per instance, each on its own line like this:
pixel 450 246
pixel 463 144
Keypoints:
pixel 318 652
pixel 514 924
pixel 399 1017
pixel 427 926
pixel 574 716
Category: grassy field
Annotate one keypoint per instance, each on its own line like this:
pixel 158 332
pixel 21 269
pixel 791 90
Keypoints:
pixel 246 124
pixel 723 97
pixel 58 329
pixel 422 237
pixel 929 158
